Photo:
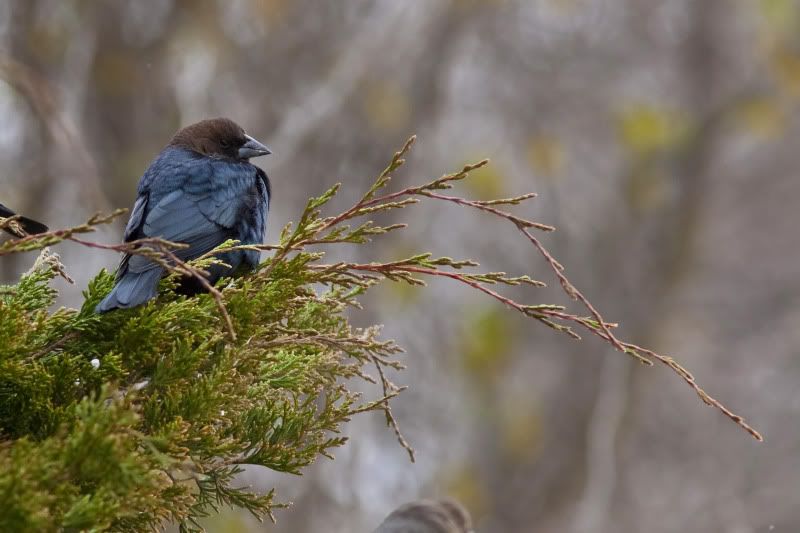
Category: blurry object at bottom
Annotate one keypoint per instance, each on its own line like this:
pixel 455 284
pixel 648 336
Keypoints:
pixel 28 225
pixel 428 516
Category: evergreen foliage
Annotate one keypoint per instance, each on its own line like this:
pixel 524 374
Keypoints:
pixel 134 418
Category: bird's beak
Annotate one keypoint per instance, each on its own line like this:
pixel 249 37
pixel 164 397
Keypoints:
pixel 252 148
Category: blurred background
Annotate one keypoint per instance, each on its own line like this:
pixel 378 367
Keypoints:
pixel 662 138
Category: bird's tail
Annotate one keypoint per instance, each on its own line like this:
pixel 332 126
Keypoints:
pixel 30 226
pixel 132 289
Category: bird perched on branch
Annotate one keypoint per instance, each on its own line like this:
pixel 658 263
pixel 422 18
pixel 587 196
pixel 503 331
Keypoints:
pixel 428 516
pixel 28 225
pixel 201 190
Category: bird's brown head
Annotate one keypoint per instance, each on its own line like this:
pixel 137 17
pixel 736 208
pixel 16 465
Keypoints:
pixel 428 516
pixel 219 137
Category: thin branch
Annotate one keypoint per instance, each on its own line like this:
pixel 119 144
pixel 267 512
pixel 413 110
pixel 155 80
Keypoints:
pixel 312 229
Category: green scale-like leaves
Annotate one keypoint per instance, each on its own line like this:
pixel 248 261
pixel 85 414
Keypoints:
pixel 154 409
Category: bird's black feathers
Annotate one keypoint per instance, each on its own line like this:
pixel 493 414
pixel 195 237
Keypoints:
pixel 28 225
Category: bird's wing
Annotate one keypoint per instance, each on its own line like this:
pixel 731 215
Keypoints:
pixel 133 230
pixel 134 226
pixel 202 212
pixel 267 185
pixel 177 218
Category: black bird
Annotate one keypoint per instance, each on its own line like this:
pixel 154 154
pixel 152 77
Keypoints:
pixel 201 190
pixel 28 225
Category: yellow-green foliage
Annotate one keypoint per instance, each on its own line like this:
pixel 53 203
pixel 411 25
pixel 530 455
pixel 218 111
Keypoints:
pixel 169 397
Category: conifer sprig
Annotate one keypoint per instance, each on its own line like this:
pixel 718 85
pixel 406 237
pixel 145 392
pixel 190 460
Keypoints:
pixel 555 317
pixel 132 418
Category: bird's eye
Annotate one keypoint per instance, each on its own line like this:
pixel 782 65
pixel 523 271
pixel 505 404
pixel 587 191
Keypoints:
pixel 224 143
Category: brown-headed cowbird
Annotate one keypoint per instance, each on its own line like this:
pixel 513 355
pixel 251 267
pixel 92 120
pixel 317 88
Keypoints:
pixel 28 225
pixel 201 190
pixel 428 516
